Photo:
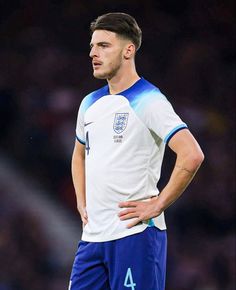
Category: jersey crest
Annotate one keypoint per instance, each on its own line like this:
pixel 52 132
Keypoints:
pixel 120 122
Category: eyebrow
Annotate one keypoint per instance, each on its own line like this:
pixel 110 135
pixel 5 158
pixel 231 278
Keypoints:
pixel 99 43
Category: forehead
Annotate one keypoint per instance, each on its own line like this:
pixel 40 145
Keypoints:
pixel 104 36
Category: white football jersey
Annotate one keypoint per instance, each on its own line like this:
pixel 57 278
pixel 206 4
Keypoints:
pixel 124 137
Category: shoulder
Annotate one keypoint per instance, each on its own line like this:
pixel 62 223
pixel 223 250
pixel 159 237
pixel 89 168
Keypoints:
pixel 93 97
pixel 145 93
pixel 147 88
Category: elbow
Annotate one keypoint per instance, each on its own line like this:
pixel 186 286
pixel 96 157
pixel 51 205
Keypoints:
pixel 197 158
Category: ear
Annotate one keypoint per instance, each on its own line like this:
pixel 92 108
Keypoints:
pixel 129 50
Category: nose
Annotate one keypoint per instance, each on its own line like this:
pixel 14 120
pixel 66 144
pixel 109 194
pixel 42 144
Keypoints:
pixel 93 52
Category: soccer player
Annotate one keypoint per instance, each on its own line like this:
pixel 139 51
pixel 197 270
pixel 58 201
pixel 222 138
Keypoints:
pixel 121 133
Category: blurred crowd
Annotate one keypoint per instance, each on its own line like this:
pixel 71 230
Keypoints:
pixel 27 261
pixel 188 52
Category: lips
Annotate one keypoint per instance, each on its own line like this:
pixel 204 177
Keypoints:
pixel 96 64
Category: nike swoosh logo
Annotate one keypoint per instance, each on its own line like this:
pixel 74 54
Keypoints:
pixel 86 124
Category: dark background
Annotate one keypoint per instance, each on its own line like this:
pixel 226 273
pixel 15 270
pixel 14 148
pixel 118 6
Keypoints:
pixel 188 51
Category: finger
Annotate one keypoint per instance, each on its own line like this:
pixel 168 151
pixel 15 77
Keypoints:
pixel 133 223
pixel 128 204
pixel 129 216
pixel 126 211
pixel 84 220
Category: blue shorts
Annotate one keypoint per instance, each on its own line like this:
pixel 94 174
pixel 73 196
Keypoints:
pixel 136 262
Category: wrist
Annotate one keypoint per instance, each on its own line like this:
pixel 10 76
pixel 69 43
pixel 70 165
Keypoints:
pixel 160 206
pixel 81 208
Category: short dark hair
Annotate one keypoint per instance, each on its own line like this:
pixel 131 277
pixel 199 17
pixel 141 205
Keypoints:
pixel 121 23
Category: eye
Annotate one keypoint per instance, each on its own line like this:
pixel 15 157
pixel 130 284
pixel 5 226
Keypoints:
pixel 103 45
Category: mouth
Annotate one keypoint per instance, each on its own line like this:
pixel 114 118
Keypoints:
pixel 96 64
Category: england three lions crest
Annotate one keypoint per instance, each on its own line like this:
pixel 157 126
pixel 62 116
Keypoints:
pixel 120 122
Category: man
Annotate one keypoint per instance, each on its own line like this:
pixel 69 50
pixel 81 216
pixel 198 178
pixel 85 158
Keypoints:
pixel 122 130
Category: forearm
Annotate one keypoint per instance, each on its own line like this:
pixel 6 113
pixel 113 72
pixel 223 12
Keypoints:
pixel 182 175
pixel 189 158
pixel 78 181
pixel 78 177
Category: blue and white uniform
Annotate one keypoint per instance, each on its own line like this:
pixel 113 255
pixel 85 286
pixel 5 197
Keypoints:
pixel 124 137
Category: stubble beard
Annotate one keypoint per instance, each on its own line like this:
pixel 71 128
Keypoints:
pixel 109 74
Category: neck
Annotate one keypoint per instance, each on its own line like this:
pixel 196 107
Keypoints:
pixel 122 81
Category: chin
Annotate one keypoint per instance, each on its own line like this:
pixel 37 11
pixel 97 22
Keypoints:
pixel 99 75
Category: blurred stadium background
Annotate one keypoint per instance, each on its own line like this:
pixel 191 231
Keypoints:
pixel 189 52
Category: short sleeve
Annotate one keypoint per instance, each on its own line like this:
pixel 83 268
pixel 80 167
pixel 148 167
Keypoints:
pixel 161 118
pixel 80 125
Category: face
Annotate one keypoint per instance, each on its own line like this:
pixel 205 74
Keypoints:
pixel 106 53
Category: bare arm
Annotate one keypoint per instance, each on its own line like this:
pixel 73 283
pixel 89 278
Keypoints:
pixel 78 177
pixel 189 157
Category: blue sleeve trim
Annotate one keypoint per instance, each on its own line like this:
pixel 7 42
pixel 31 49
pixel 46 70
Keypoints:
pixel 80 141
pixel 173 132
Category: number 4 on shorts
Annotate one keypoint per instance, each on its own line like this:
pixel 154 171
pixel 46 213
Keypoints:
pixel 129 283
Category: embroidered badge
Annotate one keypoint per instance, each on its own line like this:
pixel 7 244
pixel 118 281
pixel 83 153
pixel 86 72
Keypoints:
pixel 120 122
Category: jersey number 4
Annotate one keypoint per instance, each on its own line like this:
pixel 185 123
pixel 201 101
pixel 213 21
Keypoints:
pixel 87 148
pixel 129 282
